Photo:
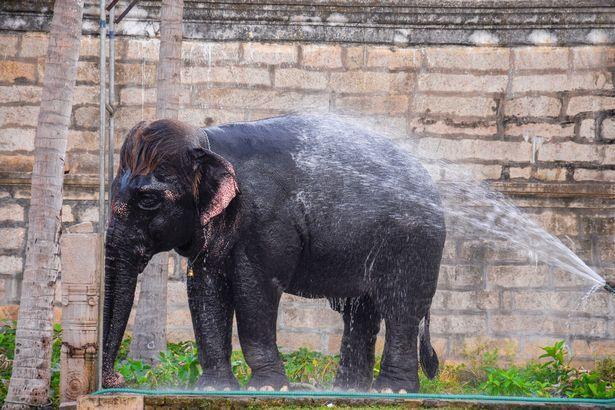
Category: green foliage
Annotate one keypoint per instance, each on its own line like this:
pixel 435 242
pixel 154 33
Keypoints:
pixel 554 376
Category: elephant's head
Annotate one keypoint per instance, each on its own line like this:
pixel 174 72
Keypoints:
pixel 167 187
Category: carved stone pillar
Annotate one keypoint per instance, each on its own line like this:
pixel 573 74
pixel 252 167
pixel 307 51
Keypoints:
pixel 79 314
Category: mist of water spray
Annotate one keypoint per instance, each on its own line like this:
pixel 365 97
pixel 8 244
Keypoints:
pixel 471 207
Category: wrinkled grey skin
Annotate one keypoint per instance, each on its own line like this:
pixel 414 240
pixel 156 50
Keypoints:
pixel 323 211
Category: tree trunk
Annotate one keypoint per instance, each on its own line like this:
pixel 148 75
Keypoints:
pixel 149 332
pixel 31 374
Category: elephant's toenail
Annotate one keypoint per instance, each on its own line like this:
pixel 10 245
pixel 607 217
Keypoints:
pixel 251 388
pixel 403 391
pixel 284 388
pixel 386 391
pixel 267 388
pixel 227 389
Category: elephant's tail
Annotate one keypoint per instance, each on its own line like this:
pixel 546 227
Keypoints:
pixel 427 355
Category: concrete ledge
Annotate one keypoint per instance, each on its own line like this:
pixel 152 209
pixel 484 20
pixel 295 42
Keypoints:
pixel 399 22
pixel 168 402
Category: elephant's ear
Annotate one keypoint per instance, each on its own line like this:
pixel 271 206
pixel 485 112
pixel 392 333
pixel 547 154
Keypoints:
pixel 215 184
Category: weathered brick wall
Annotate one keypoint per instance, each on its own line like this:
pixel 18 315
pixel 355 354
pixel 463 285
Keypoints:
pixel 480 106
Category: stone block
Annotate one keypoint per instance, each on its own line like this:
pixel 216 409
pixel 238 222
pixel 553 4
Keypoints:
pixel 263 53
pixel 454 106
pixel 177 294
pixel 17 72
pixel 423 125
pixel 82 140
pixel 460 277
pixel 206 53
pixel 67 214
pixel 300 79
pixel 136 74
pixel 607 129
pixel 128 117
pixel 467 58
pixel 260 99
pixel 34 45
pixel 517 276
pixel 470 149
pixel 354 57
pixel 12 238
pixel 22 116
pixel 544 301
pixel 589 57
pixel 370 82
pixel 587 129
pixel 605 175
pixel 88 215
pixel 391 104
pixel 86 94
pixel 541 106
pixel 540 129
pixel 110 402
pixel 549 174
pixel 289 341
pixel 321 55
pixel 590 103
pixel 570 152
pixel 17 139
pixel 206 117
pixel 11 265
pixel 86 116
pixel 142 49
pixel 11 212
pixel 473 300
pixel 8 45
pixel 462 82
pixel 593 348
pixel 89 46
pixel 393 58
pixel 21 94
pixel 557 222
pixel 545 325
pixel 87 72
pixel 310 318
pixel 458 324
pixel 561 82
pixel 137 96
pixel 605 250
pixel 520 172
pixel 541 58
pixel 17 163
pixel 226 75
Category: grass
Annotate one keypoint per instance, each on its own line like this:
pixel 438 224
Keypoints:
pixel 552 376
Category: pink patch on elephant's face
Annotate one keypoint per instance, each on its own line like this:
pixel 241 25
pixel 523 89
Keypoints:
pixel 170 195
pixel 119 208
pixel 225 194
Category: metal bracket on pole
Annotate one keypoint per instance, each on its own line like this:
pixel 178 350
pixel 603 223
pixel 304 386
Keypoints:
pixel 123 14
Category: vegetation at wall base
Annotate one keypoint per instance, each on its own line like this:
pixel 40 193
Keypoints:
pixel 551 376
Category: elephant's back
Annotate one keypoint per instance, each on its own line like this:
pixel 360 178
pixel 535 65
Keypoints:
pixel 324 163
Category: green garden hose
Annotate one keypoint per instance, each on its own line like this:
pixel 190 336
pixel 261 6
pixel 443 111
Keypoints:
pixel 374 396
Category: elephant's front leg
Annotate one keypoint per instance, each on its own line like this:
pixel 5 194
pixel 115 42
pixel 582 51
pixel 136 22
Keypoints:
pixel 210 301
pixel 256 304
pixel 357 356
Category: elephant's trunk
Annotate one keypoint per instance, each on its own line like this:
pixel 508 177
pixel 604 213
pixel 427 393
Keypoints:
pixel 122 267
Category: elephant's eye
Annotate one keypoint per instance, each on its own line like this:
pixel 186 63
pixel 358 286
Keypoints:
pixel 149 202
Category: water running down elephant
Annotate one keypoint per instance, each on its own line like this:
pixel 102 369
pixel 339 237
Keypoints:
pixel 299 204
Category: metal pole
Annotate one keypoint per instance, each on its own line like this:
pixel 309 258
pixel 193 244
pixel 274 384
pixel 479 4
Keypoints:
pixel 110 165
pixel 102 36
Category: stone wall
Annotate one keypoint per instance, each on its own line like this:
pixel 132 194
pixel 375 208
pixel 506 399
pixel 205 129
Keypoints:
pixel 481 106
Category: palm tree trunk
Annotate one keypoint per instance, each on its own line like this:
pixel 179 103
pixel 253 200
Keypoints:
pixel 149 332
pixel 31 374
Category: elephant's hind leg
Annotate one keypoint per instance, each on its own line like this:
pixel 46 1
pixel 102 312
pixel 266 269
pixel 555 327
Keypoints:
pixel 361 326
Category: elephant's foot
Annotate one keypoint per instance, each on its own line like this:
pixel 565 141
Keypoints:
pixel 352 380
pixel 112 380
pixel 389 384
pixel 268 381
pixel 217 380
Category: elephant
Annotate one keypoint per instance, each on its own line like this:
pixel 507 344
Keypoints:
pixel 302 204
